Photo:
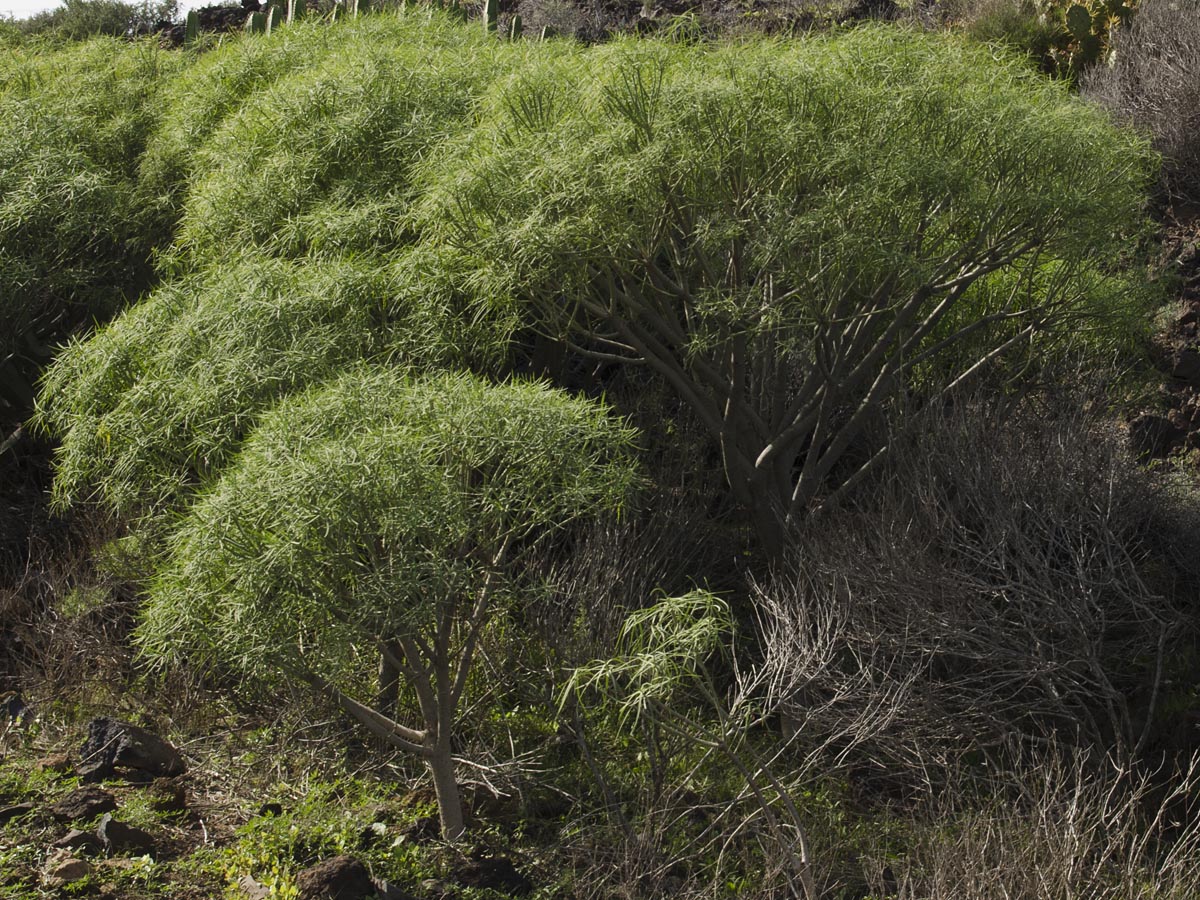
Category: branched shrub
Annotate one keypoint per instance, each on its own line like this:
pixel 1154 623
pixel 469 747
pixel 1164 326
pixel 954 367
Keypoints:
pixel 1004 584
pixel 1049 828
pixel 1153 82
pixel 787 237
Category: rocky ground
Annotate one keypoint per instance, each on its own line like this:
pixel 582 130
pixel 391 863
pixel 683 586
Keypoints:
pixel 127 815
pixel 1172 429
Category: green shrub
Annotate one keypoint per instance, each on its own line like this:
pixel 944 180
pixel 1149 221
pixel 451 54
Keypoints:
pixel 161 397
pixel 794 235
pixel 75 240
pixel 1017 24
pixel 382 518
pixel 78 20
pixel 339 134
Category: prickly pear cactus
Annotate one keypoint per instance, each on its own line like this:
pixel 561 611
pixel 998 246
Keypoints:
pixel 1085 29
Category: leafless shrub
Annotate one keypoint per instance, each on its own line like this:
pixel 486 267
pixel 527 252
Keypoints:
pixel 993 591
pixel 64 624
pixel 1052 830
pixel 1153 82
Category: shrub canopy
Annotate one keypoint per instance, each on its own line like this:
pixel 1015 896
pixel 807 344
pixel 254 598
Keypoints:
pixel 75 237
pixel 792 234
pixel 356 508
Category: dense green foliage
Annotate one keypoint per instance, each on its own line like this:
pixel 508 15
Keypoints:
pixel 725 203
pixel 380 518
pixel 77 20
pixel 352 511
pixel 880 211
pixel 76 235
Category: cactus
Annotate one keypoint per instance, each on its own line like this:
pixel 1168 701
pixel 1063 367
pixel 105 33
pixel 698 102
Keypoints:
pixel 256 23
pixel 272 17
pixel 191 30
pixel 491 10
pixel 1085 28
pixel 296 10
pixel 514 31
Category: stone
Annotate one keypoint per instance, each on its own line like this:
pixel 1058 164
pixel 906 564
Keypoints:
pixel 1154 435
pixel 113 745
pixel 55 762
pixel 117 864
pixel 63 869
pixel 85 803
pixel 252 889
pixel 495 873
pixel 1186 367
pixel 117 837
pixel 79 840
pixel 8 813
pixel 340 878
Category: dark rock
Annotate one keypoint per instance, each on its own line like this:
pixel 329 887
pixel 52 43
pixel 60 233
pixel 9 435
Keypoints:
pixel 113 745
pixel 493 873
pixel 339 878
pixel 372 835
pixel 118 837
pixel 421 830
pixel 13 707
pixel 1186 367
pixel 8 813
pixel 271 809
pixel 1155 436
pixel 84 803
pixel 79 840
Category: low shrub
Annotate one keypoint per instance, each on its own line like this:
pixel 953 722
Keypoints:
pixel 78 20
pixel 1153 82
pixel 1013 578
pixel 1014 23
